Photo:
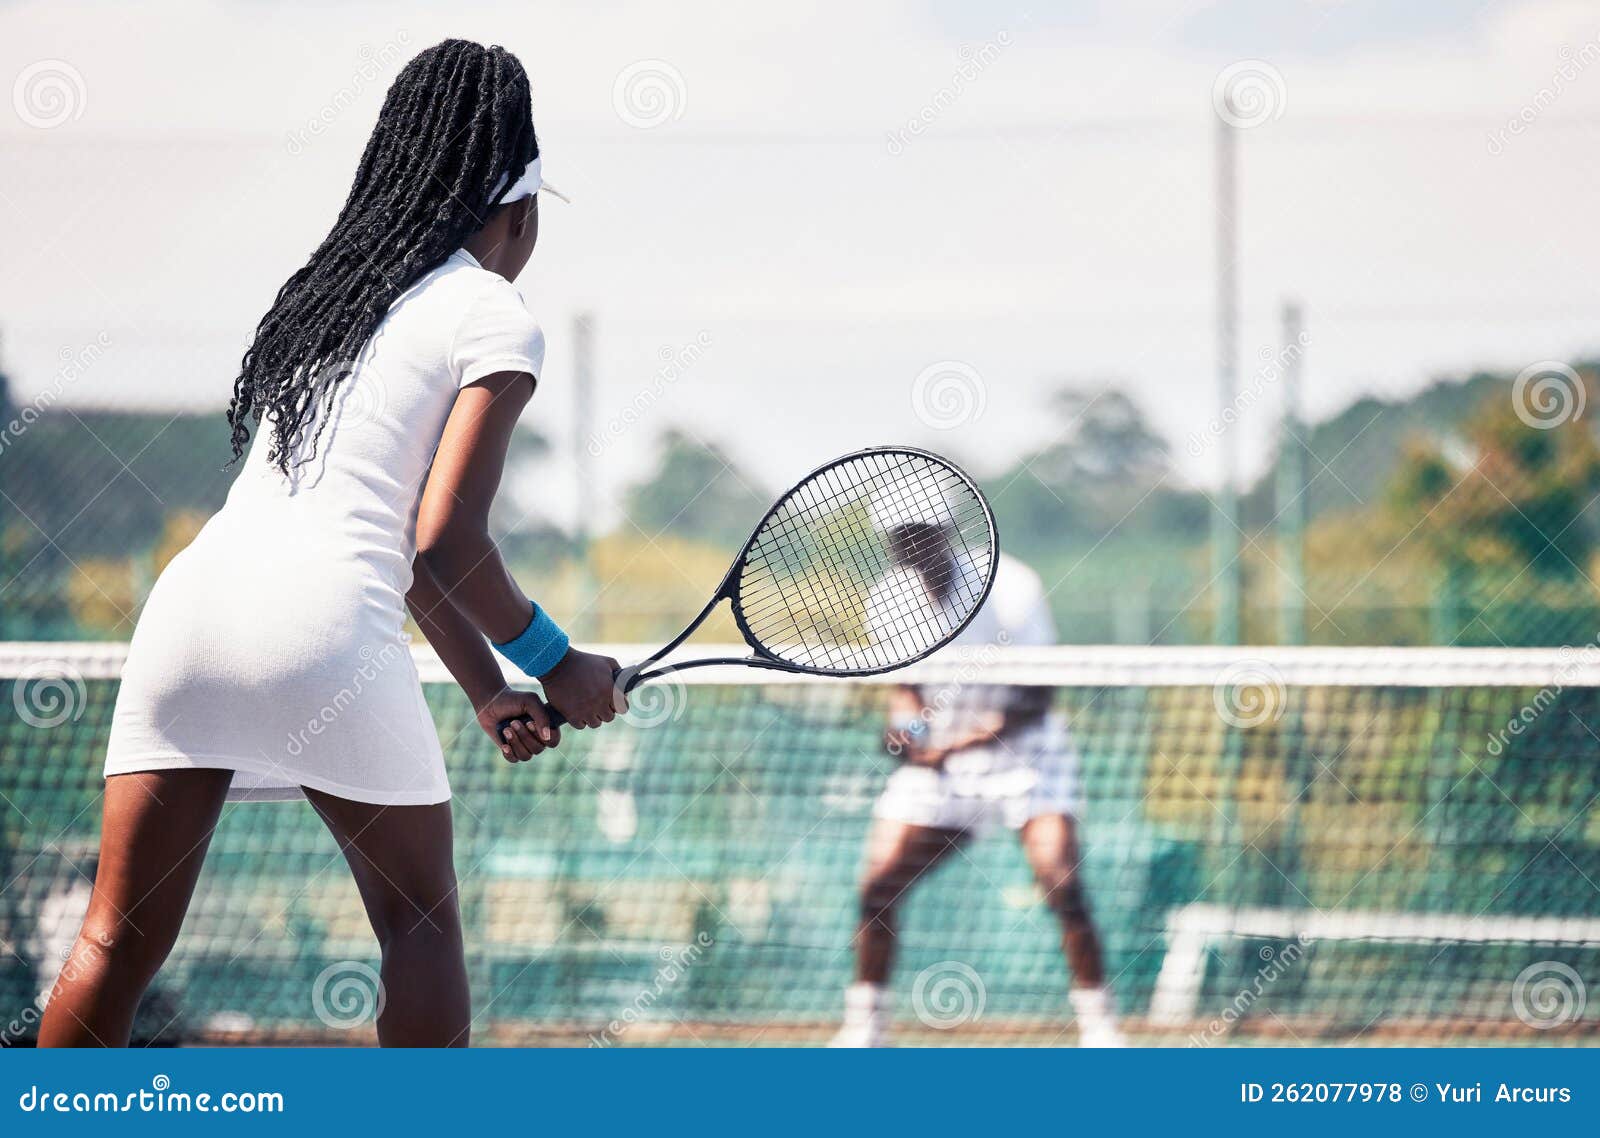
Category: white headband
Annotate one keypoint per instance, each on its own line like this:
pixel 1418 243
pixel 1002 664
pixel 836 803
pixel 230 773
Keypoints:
pixel 531 182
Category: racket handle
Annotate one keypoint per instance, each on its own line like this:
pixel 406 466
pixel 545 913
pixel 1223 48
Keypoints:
pixel 555 717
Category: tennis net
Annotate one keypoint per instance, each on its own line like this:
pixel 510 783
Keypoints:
pixel 1294 845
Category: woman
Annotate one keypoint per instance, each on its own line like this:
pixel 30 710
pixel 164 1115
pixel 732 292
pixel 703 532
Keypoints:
pixel 270 661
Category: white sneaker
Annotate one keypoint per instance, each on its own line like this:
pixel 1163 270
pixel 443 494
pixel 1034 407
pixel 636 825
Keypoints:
pixel 1102 1035
pixel 1097 1021
pixel 869 1034
pixel 866 1018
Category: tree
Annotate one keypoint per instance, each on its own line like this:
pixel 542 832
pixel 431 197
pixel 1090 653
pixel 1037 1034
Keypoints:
pixel 1107 473
pixel 1507 493
pixel 696 492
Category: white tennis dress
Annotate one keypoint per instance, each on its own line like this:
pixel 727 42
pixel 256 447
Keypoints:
pixel 274 645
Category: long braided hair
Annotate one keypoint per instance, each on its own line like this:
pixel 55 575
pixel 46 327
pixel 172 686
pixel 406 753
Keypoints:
pixel 456 127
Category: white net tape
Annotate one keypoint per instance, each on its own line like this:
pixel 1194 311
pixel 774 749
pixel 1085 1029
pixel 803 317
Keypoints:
pixel 1062 666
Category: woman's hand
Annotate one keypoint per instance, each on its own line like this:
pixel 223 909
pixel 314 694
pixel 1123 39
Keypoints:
pixel 526 732
pixel 583 687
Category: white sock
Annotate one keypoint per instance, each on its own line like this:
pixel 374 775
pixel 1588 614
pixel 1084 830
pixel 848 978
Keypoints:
pixel 1097 1017
pixel 864 1003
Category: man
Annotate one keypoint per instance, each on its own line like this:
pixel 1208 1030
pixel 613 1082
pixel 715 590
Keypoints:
pixel 972 755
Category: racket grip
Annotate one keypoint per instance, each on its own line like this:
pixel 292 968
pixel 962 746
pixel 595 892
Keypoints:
pixel 552 716
pixel 558 720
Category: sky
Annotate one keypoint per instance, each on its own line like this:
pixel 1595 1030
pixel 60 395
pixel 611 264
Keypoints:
pixel 805 228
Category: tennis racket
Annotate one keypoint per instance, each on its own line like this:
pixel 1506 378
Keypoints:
pixel 869 563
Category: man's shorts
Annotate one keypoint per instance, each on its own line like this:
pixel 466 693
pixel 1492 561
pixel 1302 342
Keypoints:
pixel 978 790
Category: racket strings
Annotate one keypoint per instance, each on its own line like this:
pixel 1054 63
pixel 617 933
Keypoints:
pixel 831 530
pixel 942 575
pixel 935 580
pixel 845 537
pixel 868 563
pixel 787 524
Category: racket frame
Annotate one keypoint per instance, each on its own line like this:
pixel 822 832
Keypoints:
pixel 632 676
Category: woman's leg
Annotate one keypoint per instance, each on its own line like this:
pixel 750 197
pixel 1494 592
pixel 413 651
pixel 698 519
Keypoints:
pixel 402 860
pixel 155 831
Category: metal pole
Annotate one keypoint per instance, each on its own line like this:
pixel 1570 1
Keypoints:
pixel 1225 545
pixel 1291 515
pixel 1292 481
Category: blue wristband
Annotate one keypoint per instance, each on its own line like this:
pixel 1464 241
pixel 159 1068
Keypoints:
pixel 539 648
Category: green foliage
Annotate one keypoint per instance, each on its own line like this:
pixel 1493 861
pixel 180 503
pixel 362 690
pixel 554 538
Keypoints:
pixel 696 492
pixel 1107 473
pixel 1503 494
pixel 1354 453
pixel 1440 518
pixel 101 483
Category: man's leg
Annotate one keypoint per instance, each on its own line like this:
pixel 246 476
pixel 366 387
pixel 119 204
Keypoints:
pixel 1051 844
pixel 898 854
pixel 156 828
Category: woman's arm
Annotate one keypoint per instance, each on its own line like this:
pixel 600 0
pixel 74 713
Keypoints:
pixel 453 544
pixel 463 650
